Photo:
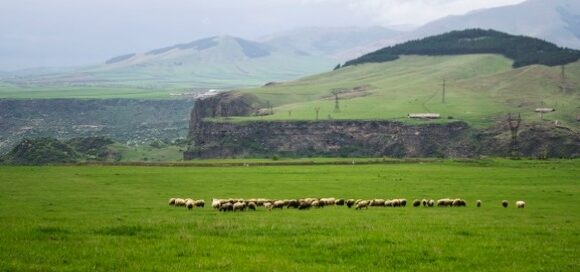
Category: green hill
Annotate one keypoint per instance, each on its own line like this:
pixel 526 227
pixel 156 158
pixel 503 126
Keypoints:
pixel 521 49
pixel 480 88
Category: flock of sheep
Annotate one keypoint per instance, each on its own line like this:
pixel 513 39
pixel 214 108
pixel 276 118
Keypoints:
pixel 225 205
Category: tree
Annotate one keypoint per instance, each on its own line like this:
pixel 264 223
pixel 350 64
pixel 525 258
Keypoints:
pixel 336 67
pixel 317 109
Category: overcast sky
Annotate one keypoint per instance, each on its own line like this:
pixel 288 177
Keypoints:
pixel 77 32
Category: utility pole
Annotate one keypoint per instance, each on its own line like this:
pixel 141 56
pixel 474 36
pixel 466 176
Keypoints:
pixel 563 79
pixel 443 96
pixel 336 103
pixel 514 127
pixel 317 109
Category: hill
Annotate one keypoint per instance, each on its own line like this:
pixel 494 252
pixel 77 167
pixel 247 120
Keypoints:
pixel 480 89
pixel 521 49
pixel 552 20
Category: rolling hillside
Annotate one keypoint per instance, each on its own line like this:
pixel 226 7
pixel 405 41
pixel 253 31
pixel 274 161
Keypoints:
pixel 480 89
pixel 218 62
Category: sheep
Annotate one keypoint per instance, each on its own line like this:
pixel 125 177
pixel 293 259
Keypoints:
pixel 396 203
pixel 458 203
pixel 226 207
pixel 189 204
pixel 179 202
pixel 424 202
pixel 444 202
pixel 278 204
pixel 417 203
pixel 268 205
pixel 431 203
pixel 172 201
pixel 350 203
pixel 505 203
pixel 520 204
pixel 199 203
pixel 388 203
pixel 252 205
pixel 315 204
pixel 239 206
pixel 304 205
pixel 340 202
pixel 362 204
pixel 215 203
pixel 403 202
pixel 293 203
pixel 377 203
pixel 478 203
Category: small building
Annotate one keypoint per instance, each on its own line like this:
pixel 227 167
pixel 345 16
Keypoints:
pixel 545 110
pixel 424 115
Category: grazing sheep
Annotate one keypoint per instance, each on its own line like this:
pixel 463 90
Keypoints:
pixel 199 203
pixel 520 204
pixel 278 204
pixel 459 203
pixel 417 202
pixel 377 203
pixel 179 202
pixel 445 202
pixel 478 203
pixel 189 204
pixel 505 203
pixel 268 205
pixel 396 202
pixel 304 205
pixel 216 203
pixel 293 203
pixel 350 203
pixel 424 202
pixel 362 204
pixel 239 206
pixel 172 201
pixel 388 203
pixel 315 204
pixel 340 202
pixel 431 203
pixel 226 207
pixel 252 206
pixel 403 202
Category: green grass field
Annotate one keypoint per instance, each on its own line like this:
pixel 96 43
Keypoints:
pixel 104 218
pixel 479 89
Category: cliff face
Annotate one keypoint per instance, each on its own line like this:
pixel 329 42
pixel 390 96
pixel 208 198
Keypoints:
pixel 330 138
pixel 361 138
pixel 222 105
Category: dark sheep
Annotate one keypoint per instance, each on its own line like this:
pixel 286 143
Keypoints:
pixel 417 203
pixel 505 203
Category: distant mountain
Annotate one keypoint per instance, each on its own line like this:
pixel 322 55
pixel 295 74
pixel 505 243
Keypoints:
pixel 208 50
pixel 557 21
pixel 522 50
pixel 332 42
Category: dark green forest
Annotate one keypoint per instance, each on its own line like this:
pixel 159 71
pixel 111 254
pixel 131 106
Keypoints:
pixel 523 50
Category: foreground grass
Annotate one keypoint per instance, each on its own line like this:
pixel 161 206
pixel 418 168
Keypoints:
pixel 117 218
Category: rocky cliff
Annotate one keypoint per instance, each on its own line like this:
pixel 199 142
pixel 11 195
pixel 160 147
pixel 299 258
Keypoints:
pixel 330 138
pixel 361 138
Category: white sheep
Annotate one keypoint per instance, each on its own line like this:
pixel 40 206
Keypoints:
pixel 520 204
pixel 172 201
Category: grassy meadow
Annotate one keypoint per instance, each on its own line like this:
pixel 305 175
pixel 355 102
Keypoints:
pixel 479 89
pixel 116 218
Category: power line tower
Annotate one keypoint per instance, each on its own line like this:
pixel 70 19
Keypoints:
pixel 563 79
pixel 317 109
pixel 443 95
pixel 336 103
pixel 514 125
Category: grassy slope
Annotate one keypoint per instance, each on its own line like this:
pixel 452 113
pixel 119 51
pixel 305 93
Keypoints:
pixel 158 81
pixel 117 218
pixel 479 88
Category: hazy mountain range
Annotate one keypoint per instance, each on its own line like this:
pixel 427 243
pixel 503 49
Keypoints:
pixel 226 61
